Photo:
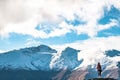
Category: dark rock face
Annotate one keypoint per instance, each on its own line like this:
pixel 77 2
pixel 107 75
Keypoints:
pixel 112 53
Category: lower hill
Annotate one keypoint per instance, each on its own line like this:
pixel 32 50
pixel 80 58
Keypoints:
pixel 102 79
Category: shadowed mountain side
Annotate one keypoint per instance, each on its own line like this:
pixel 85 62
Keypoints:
pixel 27 74
pixel 102 79
pixel 22 74
pixel 77 75
pixel 113 73
pixel 112 53
pixel 46 75
pixel 62 75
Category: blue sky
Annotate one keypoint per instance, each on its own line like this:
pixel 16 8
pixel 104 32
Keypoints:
pixel 57 22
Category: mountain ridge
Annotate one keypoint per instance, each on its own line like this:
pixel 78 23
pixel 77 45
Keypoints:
pixel 40 57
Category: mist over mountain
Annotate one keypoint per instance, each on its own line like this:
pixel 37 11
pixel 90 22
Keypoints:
pixel 43 59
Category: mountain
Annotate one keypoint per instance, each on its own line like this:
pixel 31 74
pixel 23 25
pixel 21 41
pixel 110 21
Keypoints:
pixel 118 70
pixel 34 58
pixel 112 53
pixel 39 58
pixel 110 66
pixel 102 79
pixel 68 59
pixel 45 63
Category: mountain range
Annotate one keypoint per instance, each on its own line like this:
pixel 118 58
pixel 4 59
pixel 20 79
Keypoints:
pixel 44 63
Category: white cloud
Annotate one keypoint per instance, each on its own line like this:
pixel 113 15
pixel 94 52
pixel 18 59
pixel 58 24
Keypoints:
pixel 112 23
pixel 92 28
pixel 31 42
pixel 103 43
pixel 22 16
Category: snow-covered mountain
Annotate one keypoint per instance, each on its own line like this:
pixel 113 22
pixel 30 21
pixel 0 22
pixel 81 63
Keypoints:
pixel 45 58
pixel 68 59
pixel 39 58
pixel 29 58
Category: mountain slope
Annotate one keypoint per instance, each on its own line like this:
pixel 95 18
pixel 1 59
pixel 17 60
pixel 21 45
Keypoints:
pixel 68 59
pixel 29 58
pixel 112 53
pixel 39 58
pixel 61 65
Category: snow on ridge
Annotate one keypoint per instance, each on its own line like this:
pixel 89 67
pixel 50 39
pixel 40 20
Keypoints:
pixel 54 58
pixel 85 58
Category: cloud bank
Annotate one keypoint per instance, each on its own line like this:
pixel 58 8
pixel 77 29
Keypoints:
pixel 23 16
pixel 92 50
